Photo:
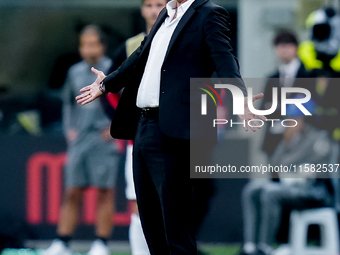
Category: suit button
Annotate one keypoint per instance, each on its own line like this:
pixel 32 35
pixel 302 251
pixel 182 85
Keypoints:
pixel 164 70
pixel 163 92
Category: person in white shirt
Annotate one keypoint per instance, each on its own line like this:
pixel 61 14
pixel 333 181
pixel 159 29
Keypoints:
pixel 290 73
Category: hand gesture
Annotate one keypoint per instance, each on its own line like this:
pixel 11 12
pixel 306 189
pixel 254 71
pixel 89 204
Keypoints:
pixel 248 115
pixel 91 92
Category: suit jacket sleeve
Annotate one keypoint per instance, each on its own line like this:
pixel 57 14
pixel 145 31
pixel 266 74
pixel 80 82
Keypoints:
pixel 217 38
pixel 115 81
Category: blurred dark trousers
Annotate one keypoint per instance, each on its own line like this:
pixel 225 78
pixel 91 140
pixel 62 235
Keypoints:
pixel 164 189
pixel 263 202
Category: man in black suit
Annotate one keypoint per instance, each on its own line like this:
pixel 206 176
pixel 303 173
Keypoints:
pixel 290 68
pixel 191 38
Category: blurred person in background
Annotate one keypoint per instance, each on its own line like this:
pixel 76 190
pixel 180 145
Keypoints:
pixel 92 156
pixel 321 55
pixel 149 11
pixel 290 68
pixel 263 202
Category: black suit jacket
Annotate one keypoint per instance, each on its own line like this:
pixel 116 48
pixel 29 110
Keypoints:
pixel 199 46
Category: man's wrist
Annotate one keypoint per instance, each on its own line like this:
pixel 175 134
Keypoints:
pixel 102 87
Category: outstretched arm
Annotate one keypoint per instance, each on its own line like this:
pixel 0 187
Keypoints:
pixel 217 32
pixel 114 82
pixel 217 38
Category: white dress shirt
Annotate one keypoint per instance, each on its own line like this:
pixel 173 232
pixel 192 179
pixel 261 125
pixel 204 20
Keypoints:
pixel 149 88
pixel 288 72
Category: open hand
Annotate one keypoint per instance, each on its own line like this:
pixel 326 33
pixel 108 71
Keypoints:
pixel 248 115
pixel 91 92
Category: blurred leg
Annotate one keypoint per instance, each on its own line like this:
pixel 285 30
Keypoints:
pixel 272 197
pixel 105 211
pixel 69 211
pixel 251 207
pixel 136 236
pixel 251 215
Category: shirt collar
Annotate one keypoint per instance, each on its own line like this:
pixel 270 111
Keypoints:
pixel 172 5
pixel 292 66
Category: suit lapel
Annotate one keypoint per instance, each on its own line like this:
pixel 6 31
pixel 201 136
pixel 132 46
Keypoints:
pixel 301 72
pixel 184 20
pixel 163 14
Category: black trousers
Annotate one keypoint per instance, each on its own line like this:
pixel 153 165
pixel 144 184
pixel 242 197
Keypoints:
pixel 164 190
